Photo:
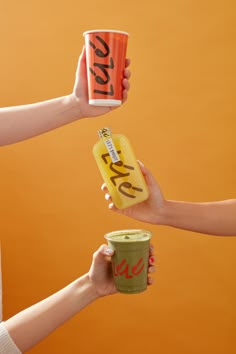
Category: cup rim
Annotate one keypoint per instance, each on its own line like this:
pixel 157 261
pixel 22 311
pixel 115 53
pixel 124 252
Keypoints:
pixel 105 30
pixel 110 235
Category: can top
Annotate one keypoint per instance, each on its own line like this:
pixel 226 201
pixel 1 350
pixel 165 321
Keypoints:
pixel 106 30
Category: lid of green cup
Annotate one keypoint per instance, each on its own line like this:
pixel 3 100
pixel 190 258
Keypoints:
pixel 129 235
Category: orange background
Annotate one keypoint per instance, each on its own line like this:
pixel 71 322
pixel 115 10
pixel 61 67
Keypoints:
pixel 180 119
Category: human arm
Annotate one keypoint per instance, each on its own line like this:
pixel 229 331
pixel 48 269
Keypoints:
pixel 212 218
pixel 30 326
pixel 22 122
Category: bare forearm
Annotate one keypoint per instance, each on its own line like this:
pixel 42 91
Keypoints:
pixel 213 218
pixel 23 122
pixel 30 326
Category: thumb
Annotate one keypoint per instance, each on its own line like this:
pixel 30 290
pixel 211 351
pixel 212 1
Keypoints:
pixel 101 253
pixel 81 70
pixel 149 178
pixel 142 168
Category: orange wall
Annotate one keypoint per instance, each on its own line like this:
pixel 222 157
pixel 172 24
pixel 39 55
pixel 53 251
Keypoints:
pixel 180 119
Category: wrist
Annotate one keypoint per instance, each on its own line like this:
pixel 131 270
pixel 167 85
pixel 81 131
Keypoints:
pixel 72 104
pixel 164 213
pixel 85 288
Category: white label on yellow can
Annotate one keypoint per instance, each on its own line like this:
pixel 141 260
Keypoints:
pixel 106 135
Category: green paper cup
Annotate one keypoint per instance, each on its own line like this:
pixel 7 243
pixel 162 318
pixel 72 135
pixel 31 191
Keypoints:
pixel 130 259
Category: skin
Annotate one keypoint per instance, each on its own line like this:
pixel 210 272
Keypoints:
pixel 30 326
pixel 211 218
pixel 23 122
pixel 19 123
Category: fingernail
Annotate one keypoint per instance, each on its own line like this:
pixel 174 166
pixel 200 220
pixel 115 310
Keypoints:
pixel 107 196
pixel 150 280
pixel 140 163
pixel 108 251
pixel 151 259
pixel 151 248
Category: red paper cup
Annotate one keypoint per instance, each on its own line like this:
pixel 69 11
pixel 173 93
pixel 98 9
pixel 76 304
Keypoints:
pixel 105 57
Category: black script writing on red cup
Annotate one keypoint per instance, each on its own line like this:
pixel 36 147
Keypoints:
pixel 99 69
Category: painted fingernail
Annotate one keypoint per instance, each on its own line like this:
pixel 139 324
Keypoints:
pixel 108 251
pixel 107 196
pixel 140 163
